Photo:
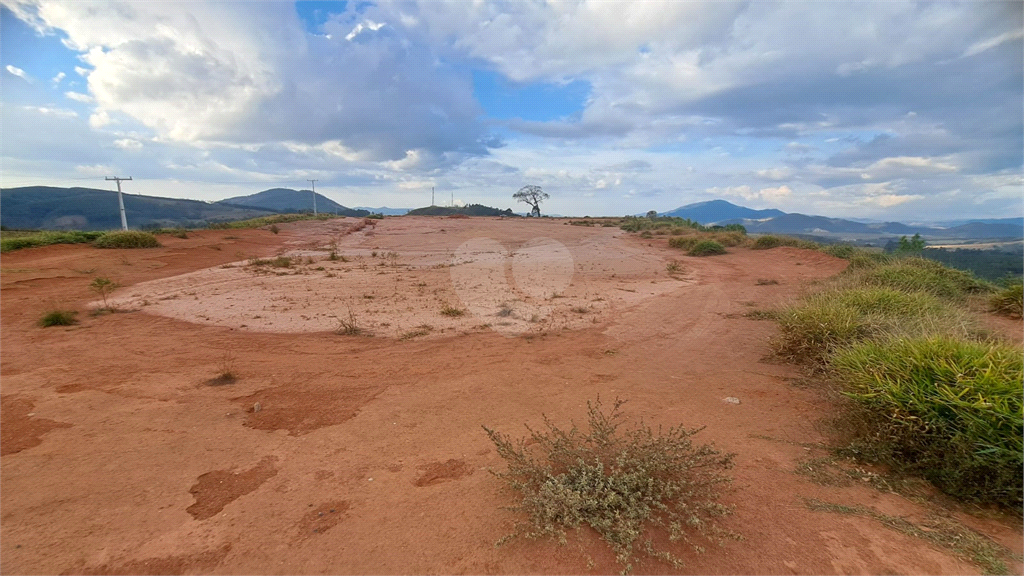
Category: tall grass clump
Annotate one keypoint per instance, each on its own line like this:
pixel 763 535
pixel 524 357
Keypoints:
pixel 706 248
pixel 126 239
pixel 948 409
pixel 920 275
pixel 1008 301
pixel 625 484
pixel 827 321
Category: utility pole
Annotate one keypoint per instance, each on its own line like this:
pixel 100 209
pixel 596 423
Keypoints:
pixel 313 182
pixel 431 195
pixel 120 200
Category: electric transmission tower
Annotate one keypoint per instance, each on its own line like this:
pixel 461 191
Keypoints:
pixel 120 200
pixel 313 182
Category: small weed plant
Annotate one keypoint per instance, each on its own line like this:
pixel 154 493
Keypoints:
pixel 103 287
pixel 127 239
pixel 348 326
pixel 451 311
pixel 58 318
pixel 624 484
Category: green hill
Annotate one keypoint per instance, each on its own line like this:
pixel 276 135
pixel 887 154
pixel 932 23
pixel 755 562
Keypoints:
pixel 50 208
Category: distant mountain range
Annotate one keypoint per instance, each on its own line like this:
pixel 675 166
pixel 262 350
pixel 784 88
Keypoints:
pixel 778 222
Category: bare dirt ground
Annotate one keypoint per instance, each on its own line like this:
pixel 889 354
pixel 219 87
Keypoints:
pixel 122 454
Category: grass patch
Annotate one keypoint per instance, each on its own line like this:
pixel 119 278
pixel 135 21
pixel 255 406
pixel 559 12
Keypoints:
pixel 769 241
pixel 59 318
pixel 706 248
pixel 268 221
pixel 176 232
pixel 947 409
pixel 17 239
pixel 825 322
pixel 622 483
pixel 127 239
pixel 920 275
pixel 944 532
pixel 1009 301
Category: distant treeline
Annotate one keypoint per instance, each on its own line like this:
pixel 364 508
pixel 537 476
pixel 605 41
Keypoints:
pixel 993 264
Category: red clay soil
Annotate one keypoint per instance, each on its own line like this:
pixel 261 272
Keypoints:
pixel 365 454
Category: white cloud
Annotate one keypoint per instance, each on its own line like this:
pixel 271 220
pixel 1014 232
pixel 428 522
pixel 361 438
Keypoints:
pixel 78 97
pixel 58 78
pixel 15 71
pixel 128 144
pixel 240 73
pixel 368 25
pixel 988 44
pixel 55 112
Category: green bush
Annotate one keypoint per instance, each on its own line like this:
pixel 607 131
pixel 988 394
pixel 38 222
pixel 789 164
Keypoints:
pixel 920 275
pixel 126 239
pixel 1009 301
pixel 624 484
pixel 706 248
pixel 948 409
pixel 58 318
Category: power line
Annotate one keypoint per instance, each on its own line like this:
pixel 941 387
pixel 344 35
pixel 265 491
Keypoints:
pixel 313 182
pixel 120 200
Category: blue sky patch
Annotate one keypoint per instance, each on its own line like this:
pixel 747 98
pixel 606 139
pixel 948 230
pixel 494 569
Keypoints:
pixel 503 99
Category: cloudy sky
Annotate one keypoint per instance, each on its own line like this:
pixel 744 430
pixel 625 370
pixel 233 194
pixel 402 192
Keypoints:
pixel 890 110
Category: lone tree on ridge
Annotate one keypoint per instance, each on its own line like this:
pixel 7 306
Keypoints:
pixel 533 196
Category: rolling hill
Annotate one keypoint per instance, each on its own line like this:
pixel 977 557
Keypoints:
pixel 714 211
pixel 288 200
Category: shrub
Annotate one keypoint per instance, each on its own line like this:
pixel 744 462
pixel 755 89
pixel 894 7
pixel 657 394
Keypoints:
pixel 58 318
pixel 623 484
pixel 273 228
pixel 920 275
pixel 281 262
pixel 1009 301
pixel 127 239
pixel 706 248
pixel 948 409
